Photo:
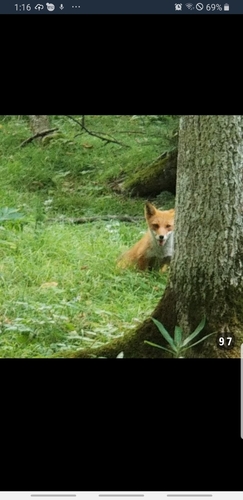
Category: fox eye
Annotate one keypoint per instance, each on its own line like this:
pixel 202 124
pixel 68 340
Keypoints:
pixel 155 226
pixel 168 226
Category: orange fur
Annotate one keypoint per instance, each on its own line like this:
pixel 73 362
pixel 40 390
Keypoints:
pixel 147 253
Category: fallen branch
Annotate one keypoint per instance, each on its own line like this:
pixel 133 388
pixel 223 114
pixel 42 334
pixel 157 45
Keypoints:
pixel 39 134
pixel 83 220
pixel 94 134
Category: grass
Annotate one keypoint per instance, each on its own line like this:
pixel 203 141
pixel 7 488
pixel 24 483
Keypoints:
pixel 59 285
pixel 60 288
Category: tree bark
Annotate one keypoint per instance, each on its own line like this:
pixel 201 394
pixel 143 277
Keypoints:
pixel 38 123
pixel 206 275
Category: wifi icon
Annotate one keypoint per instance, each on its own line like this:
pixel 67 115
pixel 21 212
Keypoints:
pixel 189 6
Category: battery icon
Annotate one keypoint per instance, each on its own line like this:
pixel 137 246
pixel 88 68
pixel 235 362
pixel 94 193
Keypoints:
pixel 226 6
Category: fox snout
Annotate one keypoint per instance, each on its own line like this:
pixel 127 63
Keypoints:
pixel 161 238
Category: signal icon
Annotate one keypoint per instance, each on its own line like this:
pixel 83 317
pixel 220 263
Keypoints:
pixel 189 6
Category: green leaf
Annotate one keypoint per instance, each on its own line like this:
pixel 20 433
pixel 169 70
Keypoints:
pixel 159 346
pixel 178 336
pixel 10 214
pixel 195 333
pixel 165 334
pixel 198 342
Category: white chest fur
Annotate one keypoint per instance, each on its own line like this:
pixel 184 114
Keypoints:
pixel 164 251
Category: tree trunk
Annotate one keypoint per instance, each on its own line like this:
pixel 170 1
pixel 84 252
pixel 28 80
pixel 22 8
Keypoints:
pixel 206 274
pixel 38 123
pixel 206 277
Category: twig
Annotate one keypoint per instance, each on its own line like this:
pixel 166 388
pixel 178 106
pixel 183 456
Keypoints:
pixel 83 220
pixel 138 132
pixel 107 141
pixel 160 157
pixel 39 134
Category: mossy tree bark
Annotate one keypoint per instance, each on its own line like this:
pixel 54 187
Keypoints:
pixel 206 276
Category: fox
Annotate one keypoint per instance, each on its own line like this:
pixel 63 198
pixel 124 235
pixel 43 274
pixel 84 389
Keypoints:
pixel 155 249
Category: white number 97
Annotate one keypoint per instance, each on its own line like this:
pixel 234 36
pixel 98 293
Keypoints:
pixel 224 341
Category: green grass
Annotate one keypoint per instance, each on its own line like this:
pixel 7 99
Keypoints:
pixel 60 288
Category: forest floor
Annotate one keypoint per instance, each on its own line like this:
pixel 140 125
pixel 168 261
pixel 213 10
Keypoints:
pixel 60 288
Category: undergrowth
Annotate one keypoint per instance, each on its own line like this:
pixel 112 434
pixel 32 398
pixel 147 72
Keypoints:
pixel 59 284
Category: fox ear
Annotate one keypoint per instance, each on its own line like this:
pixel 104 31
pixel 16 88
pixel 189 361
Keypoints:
pixel 149 209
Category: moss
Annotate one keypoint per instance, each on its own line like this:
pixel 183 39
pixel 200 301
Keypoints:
pixel 133 346
pixel 154 178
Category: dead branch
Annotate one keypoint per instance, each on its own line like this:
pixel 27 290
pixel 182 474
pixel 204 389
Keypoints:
pixel 83 220
pixel 94 134
pixel 39 134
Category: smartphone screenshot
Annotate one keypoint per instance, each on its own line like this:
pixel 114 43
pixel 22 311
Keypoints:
pixel 126 259
pixel 121 272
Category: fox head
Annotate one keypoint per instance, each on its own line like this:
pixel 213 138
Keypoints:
pixel 160 223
